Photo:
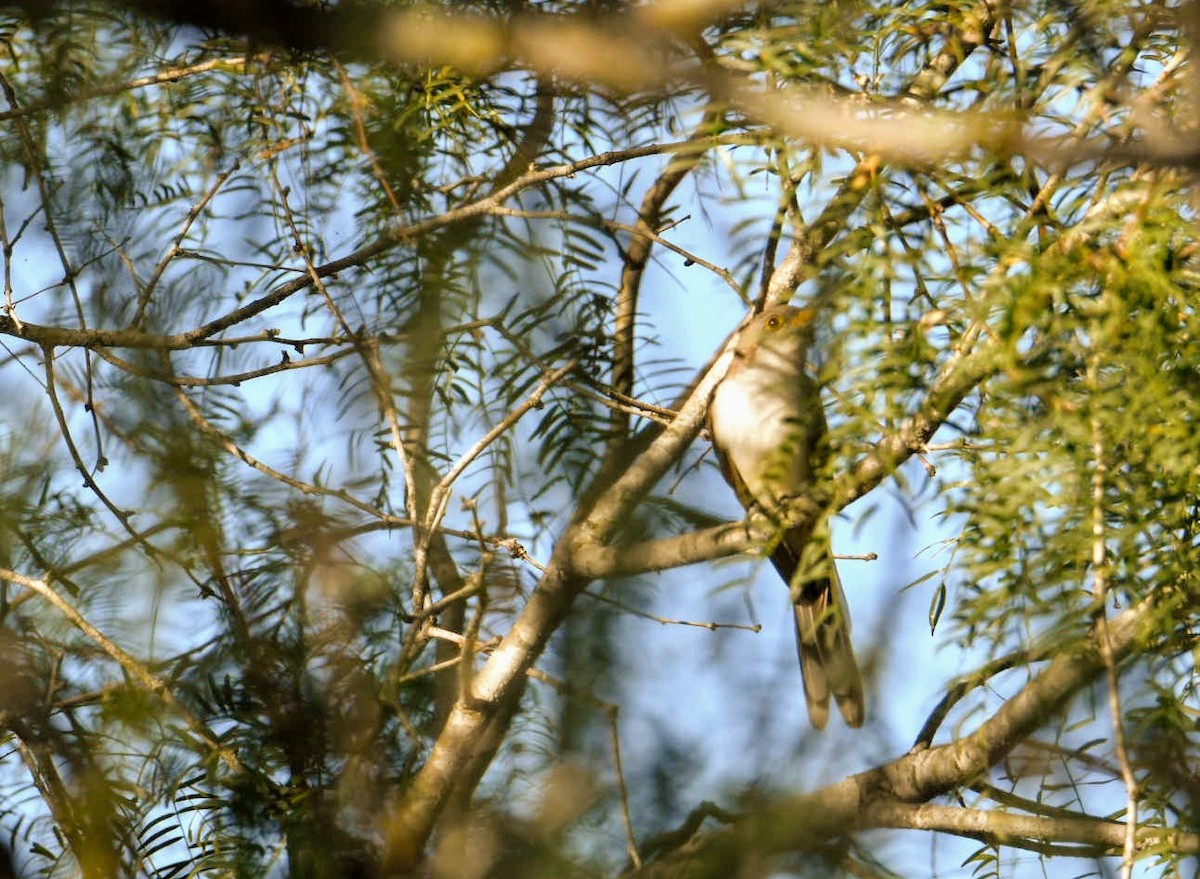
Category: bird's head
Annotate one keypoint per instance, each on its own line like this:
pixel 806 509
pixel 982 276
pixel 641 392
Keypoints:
pixel 784 331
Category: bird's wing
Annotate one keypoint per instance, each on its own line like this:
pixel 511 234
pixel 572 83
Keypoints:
pixel 734 478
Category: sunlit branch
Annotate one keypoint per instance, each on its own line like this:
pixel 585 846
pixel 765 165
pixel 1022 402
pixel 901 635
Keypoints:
pixel 888 793
pixel 1013 801
pixel 1009 829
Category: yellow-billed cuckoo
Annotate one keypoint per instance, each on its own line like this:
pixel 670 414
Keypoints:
pixel 768 429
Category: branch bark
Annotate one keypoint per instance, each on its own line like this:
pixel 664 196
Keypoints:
pixel 887 796
pixel 496 688
pixel 957 378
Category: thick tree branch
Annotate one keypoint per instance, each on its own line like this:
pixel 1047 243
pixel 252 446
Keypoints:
pixel 636 256
pixel 626 52
pixel 497 686
pixel 957 378
pixel 885 795
pixel 1017 830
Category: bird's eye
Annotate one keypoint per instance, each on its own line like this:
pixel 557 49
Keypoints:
pixel 774 322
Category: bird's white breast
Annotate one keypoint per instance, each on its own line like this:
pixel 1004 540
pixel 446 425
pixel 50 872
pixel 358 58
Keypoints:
pixel 757 419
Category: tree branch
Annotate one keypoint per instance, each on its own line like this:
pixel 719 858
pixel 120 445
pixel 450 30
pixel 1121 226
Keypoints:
pixel 957 378
pixel 636 255
pixel 886 795
pixel 133 338
pixel 1008 829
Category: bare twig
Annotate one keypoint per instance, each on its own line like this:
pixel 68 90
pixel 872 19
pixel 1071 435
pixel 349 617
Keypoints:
pixel 440 495
pixel 174 250
pixel 135 669
pixel 614 732
pixel 667 621
pixel 169 75
pixel 286 364
pixel 1100 567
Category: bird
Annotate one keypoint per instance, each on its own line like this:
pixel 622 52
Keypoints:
pixel 768 429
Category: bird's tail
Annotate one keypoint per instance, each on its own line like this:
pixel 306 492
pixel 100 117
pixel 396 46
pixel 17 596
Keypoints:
pixel 827 661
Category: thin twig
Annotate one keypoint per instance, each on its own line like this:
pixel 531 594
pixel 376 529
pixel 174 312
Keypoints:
pixel 440 496
pixel 667 621
pixel 611 713
pixel 614 734
pixel 1100 600
pixel 613 226
pixel 70 272
pixel 131 666
pixel 237 378
pixel 6 252
pixel 174 250
pixel 122 516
